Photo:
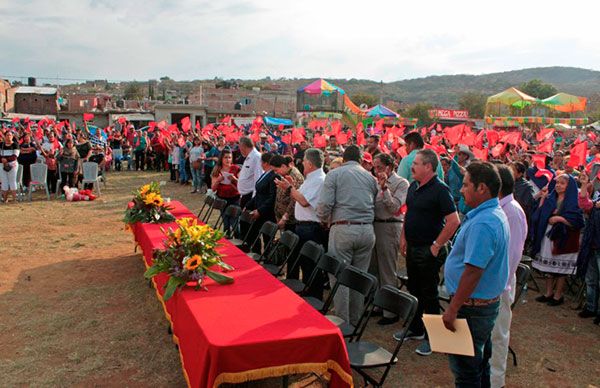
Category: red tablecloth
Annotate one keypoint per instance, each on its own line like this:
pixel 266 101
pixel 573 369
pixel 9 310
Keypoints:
pixel 252 329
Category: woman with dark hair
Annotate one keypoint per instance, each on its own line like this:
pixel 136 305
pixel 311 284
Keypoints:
pixel 9 152
pixel 67 159
pixel 556 224
pixel 27 157
pixel 224 183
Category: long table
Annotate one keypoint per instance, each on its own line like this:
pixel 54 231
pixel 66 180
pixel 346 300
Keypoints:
pixel 252 329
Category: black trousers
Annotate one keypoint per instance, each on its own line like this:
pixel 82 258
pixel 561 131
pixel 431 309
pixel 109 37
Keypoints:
pixel 309 231
pixel 243 229
pixel 423 270
pixel 140 160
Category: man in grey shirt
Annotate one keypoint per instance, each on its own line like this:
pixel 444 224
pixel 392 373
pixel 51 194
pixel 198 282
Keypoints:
pixel 347 203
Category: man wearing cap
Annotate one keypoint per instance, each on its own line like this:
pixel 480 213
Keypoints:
pixel 263 145
pixel 347 202
pixel 367 162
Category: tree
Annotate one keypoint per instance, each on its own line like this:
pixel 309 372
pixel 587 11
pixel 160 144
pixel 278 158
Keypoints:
pixel 420 111
pixel 133 91
pixel 364 98
pixel 473 102
pixel 538 89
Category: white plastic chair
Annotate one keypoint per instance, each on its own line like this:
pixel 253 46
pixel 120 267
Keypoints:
pixel 90 175
pixel 20 189
pixel 39 175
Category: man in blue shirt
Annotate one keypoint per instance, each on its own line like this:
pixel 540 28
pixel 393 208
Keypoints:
pixel 414 143
pixel 476 272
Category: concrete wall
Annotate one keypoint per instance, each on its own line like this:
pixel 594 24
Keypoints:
pixel 196 112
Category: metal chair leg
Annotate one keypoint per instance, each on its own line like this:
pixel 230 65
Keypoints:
pixel 513 354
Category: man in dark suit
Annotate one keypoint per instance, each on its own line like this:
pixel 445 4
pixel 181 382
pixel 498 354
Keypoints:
pixel 262 205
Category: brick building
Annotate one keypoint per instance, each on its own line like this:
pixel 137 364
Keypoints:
pixel 36 100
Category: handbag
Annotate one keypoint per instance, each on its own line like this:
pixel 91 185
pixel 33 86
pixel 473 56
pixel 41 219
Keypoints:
pixel 7 167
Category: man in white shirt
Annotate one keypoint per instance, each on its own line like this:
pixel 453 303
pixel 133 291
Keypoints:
pixel 250 172
pixel 308 227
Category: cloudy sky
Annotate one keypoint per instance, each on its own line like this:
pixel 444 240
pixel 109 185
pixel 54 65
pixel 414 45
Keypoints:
pixel 378 40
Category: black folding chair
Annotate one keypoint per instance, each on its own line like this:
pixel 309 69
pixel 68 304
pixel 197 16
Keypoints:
pixel 232 212
pixel 246 218
pixel 327 265
pixel 267 231
pixel 310 250
pixel 219 205
pixel 356 280
pixel 287 242
pixel 205 209
pixel 366 356
pixel 402 277
pixel 523 274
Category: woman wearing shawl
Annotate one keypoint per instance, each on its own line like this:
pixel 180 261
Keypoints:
pixel 557 224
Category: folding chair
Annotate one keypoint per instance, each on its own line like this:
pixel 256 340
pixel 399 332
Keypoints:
pixel 203 214
pixel 232 212
pixel 529 261
pixel 246 218
pixel 287 241
pixel 39 174
pixel 329 265
pixel 310 250
pixel 356 280
pixel 365 356
pixel 268 230
pixel 91 175
pixel 402 277
pixel 523 274
pixel 218 204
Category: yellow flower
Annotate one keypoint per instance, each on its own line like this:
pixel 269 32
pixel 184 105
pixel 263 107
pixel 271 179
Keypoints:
pixel 193 262
pixel 158 201
pixel 144 189
pixel 149 200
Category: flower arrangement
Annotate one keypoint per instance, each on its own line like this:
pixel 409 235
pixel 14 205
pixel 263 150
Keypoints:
pixel 190 251
pixel 148 206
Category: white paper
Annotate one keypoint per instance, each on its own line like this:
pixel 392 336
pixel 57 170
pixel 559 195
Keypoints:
pixel 226 179
pixel 443 340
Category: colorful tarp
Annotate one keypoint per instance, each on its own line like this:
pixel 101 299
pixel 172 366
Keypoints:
pixel 517 121
pixel 320 86
pixel 351 106
pixel 278 121
pixel 381 111
pixel 511 96
pixel 564 102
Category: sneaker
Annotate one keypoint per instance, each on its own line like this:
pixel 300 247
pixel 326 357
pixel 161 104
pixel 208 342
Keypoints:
pixel 423 349
pixel 409 336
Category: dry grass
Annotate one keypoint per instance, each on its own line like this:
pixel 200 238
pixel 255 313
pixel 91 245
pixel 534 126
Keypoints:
pixel 76 311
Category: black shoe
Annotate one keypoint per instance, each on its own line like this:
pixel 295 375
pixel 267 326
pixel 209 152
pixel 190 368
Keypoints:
pixel 585 313
pixel 377 313
pixel 597 320
pixel 544 299
pixel 388 321
pixel 556 302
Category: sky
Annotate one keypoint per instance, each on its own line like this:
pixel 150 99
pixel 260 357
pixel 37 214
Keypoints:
pixel 376 40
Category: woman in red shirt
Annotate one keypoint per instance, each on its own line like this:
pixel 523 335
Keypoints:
pixel 224 183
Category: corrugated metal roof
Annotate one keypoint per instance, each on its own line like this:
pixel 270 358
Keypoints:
pixel 36 90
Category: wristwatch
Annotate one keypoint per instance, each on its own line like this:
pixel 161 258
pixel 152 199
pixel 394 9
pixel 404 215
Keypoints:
pixel 435 243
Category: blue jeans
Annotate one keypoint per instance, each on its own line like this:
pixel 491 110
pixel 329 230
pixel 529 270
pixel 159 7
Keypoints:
pixel 475 371
pixel 592 282
pixel 197 178
pixel 182 174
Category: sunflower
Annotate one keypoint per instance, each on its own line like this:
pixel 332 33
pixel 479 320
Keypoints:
pixel 149 200
pixel 158 201
pixel 144 189
pixel 193 262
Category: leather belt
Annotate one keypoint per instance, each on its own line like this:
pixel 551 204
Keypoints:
pixel 351 223
pixel 306 222
pixel 476 302
pixel 390 220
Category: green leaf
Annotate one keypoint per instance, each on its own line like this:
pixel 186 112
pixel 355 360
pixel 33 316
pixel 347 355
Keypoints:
pixel 219 277
pixel 171 287
pixel 152 271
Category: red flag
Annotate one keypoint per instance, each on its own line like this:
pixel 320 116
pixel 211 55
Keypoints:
pixel 342 138
pixel 454 134
pixel 542 172
pixel 186 124
pixel 255 137
pixel 511 138
pixel 152 126
pixel 360 138
pixel 498 150
pixel 578 155
pixel 39 133
pixel 546 146
pixel 379 126
pixel 402 151
pixel 287 138
pixel 360 128
pixel 592 136
pixel 544 134
pixel 88 116
pixel 197 126
pixel 173 129
pixel 233 137
pixel 492 137
pixel 539 160
pixel 383 147
pixel 162 124
pixel 523 144
pixel 297 135
pixel 481 154
pixel 15 119
pixel 319 141
pixel 595 160
pixel 122 120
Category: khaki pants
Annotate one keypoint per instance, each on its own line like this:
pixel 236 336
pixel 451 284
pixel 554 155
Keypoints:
pixel 386 253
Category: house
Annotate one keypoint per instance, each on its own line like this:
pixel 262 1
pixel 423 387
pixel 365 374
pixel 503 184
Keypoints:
pixel 36 100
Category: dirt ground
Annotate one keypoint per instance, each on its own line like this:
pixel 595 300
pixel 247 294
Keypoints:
pixel 75 309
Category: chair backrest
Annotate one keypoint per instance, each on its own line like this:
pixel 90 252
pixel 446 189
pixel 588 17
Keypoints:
pixel 289 240
pixel 311 250
pixel 204 212
pixel 522 275
pixel 329 264
pixel 39 172
pixel 90 171
pixel 269 230
pixel 232 212
pixel 219 204
pixel 20 174
pixel 357 280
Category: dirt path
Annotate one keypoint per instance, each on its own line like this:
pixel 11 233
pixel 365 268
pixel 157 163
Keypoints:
pixel 76 311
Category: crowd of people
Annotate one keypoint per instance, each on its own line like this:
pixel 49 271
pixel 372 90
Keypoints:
pixel 371 202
